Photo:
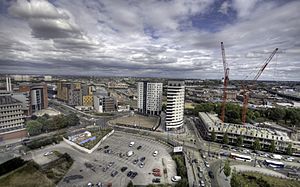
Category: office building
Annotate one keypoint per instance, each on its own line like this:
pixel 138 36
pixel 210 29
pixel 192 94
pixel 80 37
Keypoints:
pixel 75 95
pixel 104 104
pixel 149 98
pixel 11 119
pixel 38 96
pixel 175 105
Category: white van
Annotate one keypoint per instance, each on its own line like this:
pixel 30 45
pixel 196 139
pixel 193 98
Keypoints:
pixel 155 153
pixel 131 144
pixel 130 153
pixel 176 178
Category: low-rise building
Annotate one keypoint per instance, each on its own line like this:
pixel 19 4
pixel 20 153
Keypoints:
pixel 210 122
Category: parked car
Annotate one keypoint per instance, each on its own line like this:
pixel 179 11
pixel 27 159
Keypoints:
pixel 139 147
pixel 133 175
pixel 176 178
pixel 142 159
pixel 202 184
pixel 155 153
pixel 157 174
pixel 107 146
pixel 111 164
pixel 206 164
pixel 131 144
pixel 156 170
pixel 156 180
pixel 129 173
pixel 135 161
pixel 142 165
pixel 130 153
pixel 123 168
pixel 48 153
pixel 114 173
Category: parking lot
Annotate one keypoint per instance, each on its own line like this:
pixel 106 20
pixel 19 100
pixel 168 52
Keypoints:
pixel 98 166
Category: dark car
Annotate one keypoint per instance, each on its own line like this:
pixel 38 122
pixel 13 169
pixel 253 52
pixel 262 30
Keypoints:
pixel 142 159
pixel 121 155
pixel 108 151
pixel 114 173
pixel 129 173
pixel 123 168
pixel 156 180
pixel 139 147
pixel 211 174
pixel 135 161
pixel 105 147
pixel 133 175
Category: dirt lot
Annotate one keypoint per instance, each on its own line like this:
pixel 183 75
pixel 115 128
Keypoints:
pixel 136 120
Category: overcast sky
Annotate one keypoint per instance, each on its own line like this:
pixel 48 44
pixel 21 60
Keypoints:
pixel 163 38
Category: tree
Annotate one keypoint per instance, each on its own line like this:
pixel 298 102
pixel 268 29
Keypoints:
pixel 227 169
pixel 256 145
pixel 34 127
pixel 225 139
pixel 182 182
pixel 130 184
pixel 72 119
pixel 240 141
pixel 289 150
pixel 272 147
pixel 276 114
pixel 213 135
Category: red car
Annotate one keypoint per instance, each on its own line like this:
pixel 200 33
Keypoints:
pixel 157 174
pixel 156 170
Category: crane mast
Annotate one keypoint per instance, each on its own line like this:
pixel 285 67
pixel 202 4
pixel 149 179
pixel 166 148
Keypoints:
pixel 226 80
pixel 246 90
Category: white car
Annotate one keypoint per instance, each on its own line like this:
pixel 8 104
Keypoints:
pixel 155 153
pixel 206 164
pixel 176 178
pixel 202 183
pixel 131 144
pixel 130 153
pixel 290 159
pixel 48 153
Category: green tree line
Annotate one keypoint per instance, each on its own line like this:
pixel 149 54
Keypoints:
pixel 233 113
pixel 45 123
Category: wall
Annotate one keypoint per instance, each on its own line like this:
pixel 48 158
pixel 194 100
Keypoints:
pixel 85 149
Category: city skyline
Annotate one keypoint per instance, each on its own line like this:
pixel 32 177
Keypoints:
pixel 175 39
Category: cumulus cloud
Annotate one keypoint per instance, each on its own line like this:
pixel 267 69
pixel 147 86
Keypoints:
pixel 150 38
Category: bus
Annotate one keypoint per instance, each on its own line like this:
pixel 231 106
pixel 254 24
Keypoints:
pixel 274 164
pixel 240 157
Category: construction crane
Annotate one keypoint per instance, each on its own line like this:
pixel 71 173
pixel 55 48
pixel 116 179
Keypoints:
pixel 247 89
pixel 226 80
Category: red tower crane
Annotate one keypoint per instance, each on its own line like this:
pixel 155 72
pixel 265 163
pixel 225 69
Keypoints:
pixel 226 80
pixel 247 89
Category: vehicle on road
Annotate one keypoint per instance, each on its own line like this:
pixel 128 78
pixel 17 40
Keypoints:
pixel 211 174
pixel 123 168
pixel 176 178
pixel 275 156
pixel 206 164
pixel 114 173
pixel 131 144
pixel 274 164
pixel 130 153
pixel 201 183
pixel 156 180
pixel 155 153
pixel 139 147
pixel 240 157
